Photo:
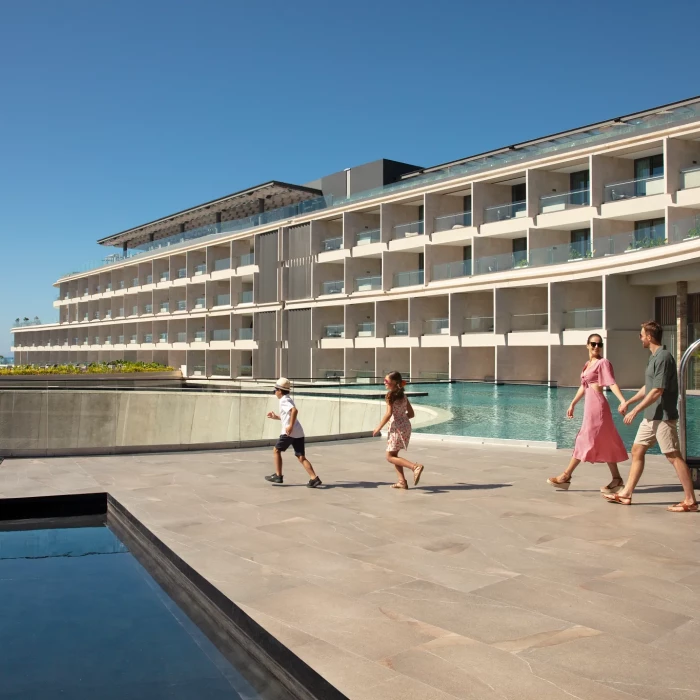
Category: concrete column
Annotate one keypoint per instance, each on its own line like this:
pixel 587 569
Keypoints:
pixel 261 205
pixel 681 319
pixel 124 247
pixel 151 237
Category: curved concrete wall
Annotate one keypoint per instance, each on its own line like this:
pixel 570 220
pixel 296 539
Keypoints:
pixel 41 423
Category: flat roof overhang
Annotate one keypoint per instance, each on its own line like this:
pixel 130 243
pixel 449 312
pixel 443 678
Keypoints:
pixel 273 194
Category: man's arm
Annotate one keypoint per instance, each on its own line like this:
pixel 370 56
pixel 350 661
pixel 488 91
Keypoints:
pixel 649 399
pixel 622 408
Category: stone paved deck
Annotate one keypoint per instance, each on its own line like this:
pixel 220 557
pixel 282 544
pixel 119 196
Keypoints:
pixel 482 583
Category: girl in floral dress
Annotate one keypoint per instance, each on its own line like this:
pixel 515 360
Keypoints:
pixel 598 440
pixel 398 414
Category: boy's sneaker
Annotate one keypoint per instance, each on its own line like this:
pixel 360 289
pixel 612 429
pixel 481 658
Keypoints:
pixel 273 478
pixel 313 483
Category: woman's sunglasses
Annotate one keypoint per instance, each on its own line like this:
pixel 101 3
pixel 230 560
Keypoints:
pixel 593 344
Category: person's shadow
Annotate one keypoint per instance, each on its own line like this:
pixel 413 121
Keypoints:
pixel 427 489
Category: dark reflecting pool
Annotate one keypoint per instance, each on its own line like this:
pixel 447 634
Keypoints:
pixel 80 618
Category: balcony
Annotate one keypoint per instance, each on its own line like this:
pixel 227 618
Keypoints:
pixel 365 329
pixel 642 187
pixel 96 316
pixel 120 340
pixel 367 237
pixel 149 279
pixel 133 339
pixel 398 328
pixel 245 334
pixel 164 307
pixel 199 270
pixel 246 371
pixel 246 297
pixel 448 271
pixel 335 330
pixel 220 334
pixel 222 264
pixel 504 212
pixel 108 287
pixel 367 284
pixel 108 315
pixel 690 178
pixel 247 259
pixel 135 282
pixel 199 371
pixel 436 326
pixel 566 200
pixel 108 340
pixel 164 276
pixel 181 337
pixel 181 305
pixel 478 324
pixel 182 273
pixel 122 284
pixel 148 338
pixel 222 300
pixel 447 223
pixel 162 337
pixel 331 373
pixel 410 278
pixel 148 308
pixel 200 303
pixel 221 370
pixel 333 287
pixel 414 228
pixel 504 261
pixel 529 322
pixel 335 243
pixel 588 319
pixel 199 336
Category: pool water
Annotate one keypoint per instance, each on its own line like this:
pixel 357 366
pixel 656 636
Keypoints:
pixel 82 619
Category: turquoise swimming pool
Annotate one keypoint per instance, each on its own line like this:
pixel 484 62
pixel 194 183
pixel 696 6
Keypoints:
pixel 523 412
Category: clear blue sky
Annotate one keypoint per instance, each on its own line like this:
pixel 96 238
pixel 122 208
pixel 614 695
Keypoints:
pixel 115 113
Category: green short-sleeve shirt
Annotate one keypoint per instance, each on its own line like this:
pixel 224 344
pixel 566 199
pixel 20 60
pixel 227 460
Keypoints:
pixel 661 373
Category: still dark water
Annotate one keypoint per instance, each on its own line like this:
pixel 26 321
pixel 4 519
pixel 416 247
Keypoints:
pixel 81 619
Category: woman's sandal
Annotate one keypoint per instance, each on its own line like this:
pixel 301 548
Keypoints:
pixel 614 486
pixel 400 485
pixel 554 481
pixel 417 471
pixel 683 508
pixel 616 498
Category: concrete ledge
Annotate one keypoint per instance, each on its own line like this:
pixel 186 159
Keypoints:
pixel 495 442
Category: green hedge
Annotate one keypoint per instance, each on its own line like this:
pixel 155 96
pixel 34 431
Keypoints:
pixel 117 367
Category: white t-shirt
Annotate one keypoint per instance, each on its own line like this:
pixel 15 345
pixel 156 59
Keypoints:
pixel 286 406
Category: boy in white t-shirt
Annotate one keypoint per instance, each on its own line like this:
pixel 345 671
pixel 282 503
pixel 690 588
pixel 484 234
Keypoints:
pixel 293 434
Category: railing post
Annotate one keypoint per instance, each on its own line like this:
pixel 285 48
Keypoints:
pixel 682 382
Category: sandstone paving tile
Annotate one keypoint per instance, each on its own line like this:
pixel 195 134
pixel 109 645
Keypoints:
pixel 641 670
pixel 681 640
pixel 625 618
pixel 463 613
pixel 404 688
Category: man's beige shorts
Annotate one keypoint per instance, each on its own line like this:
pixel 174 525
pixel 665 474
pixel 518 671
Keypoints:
pixel 665 432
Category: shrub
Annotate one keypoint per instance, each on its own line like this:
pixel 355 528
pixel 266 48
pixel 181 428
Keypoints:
pixel 114 367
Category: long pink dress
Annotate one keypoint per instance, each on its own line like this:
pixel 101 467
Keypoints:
pixel 598 439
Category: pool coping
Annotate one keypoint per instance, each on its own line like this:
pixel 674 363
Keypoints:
pixel 228 627
pixel 496 442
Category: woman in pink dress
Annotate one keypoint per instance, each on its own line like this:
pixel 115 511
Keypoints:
pixel 597 440
pixel 398 414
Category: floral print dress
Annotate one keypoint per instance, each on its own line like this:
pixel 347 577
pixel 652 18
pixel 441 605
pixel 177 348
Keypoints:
pixel 399 426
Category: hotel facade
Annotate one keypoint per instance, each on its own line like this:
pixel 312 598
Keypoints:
pixel 494 267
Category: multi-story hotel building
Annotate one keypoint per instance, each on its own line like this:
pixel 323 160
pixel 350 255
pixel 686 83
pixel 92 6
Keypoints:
pixel 493 267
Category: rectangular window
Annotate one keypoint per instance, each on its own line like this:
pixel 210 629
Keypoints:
pixel 518 193
pixel 468 203
pixel 579 184
pixel 421 210
pixel 580 243
pixel 467 252
pixel 652 166
pixel 520 250
pixel 421 261
pixel 650 230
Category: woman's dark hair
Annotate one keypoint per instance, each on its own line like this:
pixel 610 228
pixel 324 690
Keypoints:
pixel 594 335
pixel 397 392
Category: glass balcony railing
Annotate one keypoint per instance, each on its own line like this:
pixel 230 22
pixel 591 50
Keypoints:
pixel 182 273
pixel 199 371
pixel 504 212
pixel 135 282
pixel 246 371
pixel 220 334
pixel 398 328
pixel 690 178
pixel 181 305
pixel 583 318
pixel 247 259
pixel 133 339
pixel 434 376
pixel 333 287
pixel 199 336
pixel 221 370
pixel 149 279
pixel 450 221
pixel 120 340
pixel 565 200
pixel 367 237
pixel 164 307
pixel 148 308
pixel 199 270
pixel 222 300
pixel 408 279
pixel 122 284
pixel 164 276
pixel 246 297
pixel 162 337
pixel 334 330
pixel 335 243
pixel 529 322
pixel 501 262
pixel 86 293
pixel 436 326
pixel 414 228
pixel 96 340
pixel 478 324
pixel 108 287
pixel 96 315
pixel 365 329
pixel 331 373
pixel 134 310
pixel 362 373
pixel 367 284
pixel 222 264
pixel 448 271
pixel 598 135
pixel 148 338
pixel 108 340
pixel 245 334
pixel 108 315
pixel 200 303
pixel 642 187
pixel 181 337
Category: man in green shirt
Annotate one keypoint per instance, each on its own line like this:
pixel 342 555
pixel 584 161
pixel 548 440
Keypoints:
pixel 659 401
